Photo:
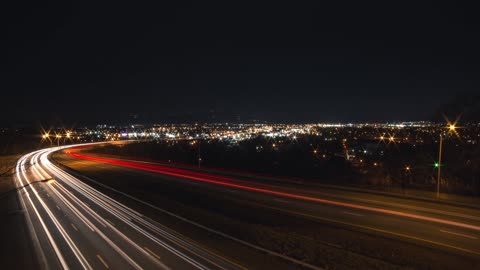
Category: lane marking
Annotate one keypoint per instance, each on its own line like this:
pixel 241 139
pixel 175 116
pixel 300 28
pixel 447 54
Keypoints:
pixel 74 227
pixel 424 209
pixel 104 263
pixel 108 220
pixel 283 201
pixel 48 195
pixel 91 226
pixel 353 214
pixel 58 207
pixel 373 229
pixel 459 234
pixel 152 253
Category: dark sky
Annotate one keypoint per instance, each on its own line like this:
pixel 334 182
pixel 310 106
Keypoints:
pixel 277 61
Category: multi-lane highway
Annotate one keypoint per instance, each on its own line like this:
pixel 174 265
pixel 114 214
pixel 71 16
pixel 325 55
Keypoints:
pixel 74 226
pixel 117 213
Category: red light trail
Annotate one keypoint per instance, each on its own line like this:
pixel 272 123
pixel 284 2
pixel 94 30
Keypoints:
pixel 230 182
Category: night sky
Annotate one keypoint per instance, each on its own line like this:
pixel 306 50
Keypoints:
pixel 278 61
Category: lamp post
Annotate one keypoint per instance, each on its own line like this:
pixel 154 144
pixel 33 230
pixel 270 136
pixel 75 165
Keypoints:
pixel 45 137
pixel 58 136
pixel 451 128
pixel 439 165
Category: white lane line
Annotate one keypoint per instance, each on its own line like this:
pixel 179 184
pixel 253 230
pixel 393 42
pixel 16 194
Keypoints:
pixel 74 227
pixel 353 214
pixel 48 195
pixel 69 205
pixel 90 225
pixel 459 234
pixel 109 221
pixel 58 207
pixel 280 200
pixel 153 253
pixel 101 259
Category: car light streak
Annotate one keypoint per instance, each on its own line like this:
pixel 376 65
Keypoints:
pixel 134 238
pixel 230 182
pixel 72 202
pixel 193 248
pixel 105 202
pixel 126 215
pixel 102 235
pixel 21 164
pixel 69 241
pixel 76 212
pixel 104 223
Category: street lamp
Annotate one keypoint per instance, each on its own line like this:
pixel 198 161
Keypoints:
pixel 58 136
pixel 438 165
pixel 451 128
pixel 47 137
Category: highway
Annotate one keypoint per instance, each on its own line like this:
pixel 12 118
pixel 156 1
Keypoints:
pixel 74 226
pixel 95 212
